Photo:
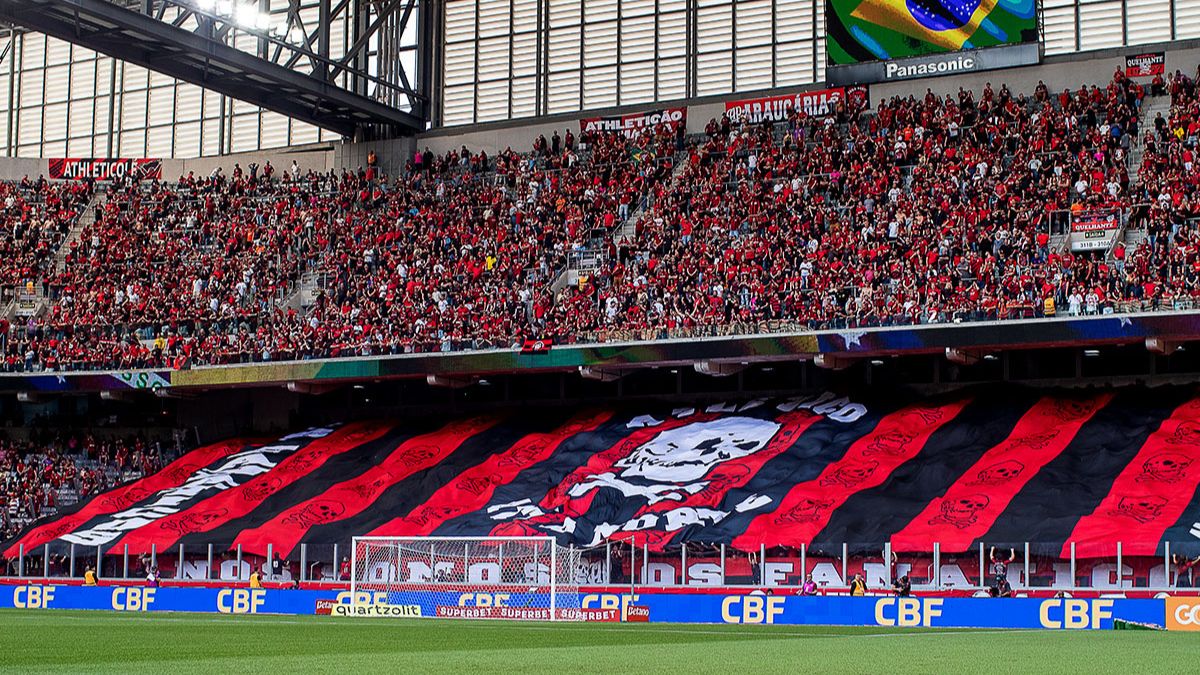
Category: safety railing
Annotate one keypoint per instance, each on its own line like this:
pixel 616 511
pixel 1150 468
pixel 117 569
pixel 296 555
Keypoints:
pixel 983 569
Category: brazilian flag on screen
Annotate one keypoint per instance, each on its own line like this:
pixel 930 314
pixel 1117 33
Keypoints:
pixel 873 30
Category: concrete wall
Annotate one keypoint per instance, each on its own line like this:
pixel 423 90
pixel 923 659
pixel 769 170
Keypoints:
pixel 391 154
pixel 316 157
pixel 1058 72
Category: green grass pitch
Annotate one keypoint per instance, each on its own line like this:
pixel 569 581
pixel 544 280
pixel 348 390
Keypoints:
pixel 93 642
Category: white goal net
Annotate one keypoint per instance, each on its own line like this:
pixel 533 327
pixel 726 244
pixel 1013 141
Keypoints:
pixel 531 578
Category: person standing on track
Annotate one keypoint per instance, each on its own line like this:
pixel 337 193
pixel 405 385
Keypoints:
pixel 858 586
pixel 809 588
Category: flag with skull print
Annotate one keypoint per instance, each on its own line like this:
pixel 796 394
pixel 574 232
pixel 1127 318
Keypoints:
pixel 988 465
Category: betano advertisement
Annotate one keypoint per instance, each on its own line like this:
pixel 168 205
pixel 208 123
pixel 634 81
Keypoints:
pixel 754 608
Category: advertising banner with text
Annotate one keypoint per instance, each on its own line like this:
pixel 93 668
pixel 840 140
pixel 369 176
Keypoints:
pixel 1146 65
pixel 82 168
pixel 634 123
pixel 816 103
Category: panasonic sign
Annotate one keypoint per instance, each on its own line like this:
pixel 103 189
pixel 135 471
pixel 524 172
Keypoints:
pixel 954 64
pixel 931 66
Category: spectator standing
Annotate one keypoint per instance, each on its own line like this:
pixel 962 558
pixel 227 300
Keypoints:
pixel 809 587
pixel 858 586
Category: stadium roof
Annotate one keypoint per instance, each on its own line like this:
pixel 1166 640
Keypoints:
pixel 202 58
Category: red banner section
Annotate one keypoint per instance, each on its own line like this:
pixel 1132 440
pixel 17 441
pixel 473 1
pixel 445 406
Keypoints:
pixel 805 510
pixel 173 475
pixel 633 124
pixel 83 168
pixel 972 504
pixel 353 496
pixel 229 505
pixel 1146 65
pixel 473 488
pixel 1149 495
pixel 817 103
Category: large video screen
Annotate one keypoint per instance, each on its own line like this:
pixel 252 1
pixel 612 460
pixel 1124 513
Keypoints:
pixel 861 31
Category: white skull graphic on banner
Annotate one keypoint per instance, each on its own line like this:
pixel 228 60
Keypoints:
pixel 674 462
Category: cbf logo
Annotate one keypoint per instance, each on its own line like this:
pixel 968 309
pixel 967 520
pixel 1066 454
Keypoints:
pixel 33 597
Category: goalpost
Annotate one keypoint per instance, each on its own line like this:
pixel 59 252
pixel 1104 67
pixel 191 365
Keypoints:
pixel 530 578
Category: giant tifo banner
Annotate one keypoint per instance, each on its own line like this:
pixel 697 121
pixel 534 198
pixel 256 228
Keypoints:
pixel 633 124
pixel 990 465
pixel 687 607
pixel 81 168
pixel 817 103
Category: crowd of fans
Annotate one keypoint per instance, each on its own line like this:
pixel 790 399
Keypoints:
pixel 929 210
pixel 34 222
pixel 37 473
pixel 921 210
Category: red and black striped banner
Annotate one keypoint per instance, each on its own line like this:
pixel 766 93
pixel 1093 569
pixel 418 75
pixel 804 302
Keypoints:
pixel 991 465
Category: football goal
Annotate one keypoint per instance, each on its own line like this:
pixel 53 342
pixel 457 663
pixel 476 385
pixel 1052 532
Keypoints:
pixel 530 578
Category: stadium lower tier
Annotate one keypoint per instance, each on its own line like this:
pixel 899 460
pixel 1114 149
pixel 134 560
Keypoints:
pixel 1089 474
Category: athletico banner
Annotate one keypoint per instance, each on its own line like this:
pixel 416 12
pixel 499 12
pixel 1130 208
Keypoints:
pixel 80 168
pixel 818 103
pixel 633 124
pixel 992 465
pixel 1146 65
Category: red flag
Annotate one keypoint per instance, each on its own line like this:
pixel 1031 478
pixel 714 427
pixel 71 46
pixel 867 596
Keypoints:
pixel 538 346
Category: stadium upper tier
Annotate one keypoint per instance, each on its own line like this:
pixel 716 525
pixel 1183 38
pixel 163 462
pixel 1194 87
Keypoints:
pixel 929 210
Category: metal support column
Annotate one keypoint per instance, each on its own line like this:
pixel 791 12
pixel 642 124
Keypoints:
pixel 1073 580
pixel 845 563
pixel 723 581
pixel 683 564
pixel 982 567
pixel 937 565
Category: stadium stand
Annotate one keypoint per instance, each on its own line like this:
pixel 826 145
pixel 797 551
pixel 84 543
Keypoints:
pixel 923 210
pixel 49 472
